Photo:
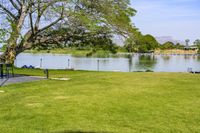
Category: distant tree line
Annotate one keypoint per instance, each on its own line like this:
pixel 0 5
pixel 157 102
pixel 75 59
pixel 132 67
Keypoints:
pixel 147 43
pixel 197 43
pixel 141 43
pixel 171 45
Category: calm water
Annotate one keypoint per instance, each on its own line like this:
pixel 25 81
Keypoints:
pixel 136 62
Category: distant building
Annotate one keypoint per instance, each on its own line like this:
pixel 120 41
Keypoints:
pixel 190 47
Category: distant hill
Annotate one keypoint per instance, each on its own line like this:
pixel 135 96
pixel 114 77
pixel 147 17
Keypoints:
pixel 119 40
pixel 164 39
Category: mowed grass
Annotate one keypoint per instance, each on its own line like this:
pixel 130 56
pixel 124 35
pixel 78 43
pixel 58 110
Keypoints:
pixel 96 102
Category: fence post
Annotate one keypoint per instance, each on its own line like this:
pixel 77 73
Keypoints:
pixel 15 62
pixel 46 71
pixel 41 63
pixel 68 63
pixel 98 65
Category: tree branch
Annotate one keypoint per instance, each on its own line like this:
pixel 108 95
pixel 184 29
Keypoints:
pixel 42 9
pixel 31 22
pixel 7 12
pixel 53 23
pixel 30 17
pixel 14 5
pixel 38 17
pixel 50 25
pixel 18 1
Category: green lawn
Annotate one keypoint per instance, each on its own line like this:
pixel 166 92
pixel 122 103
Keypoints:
pixel 95 102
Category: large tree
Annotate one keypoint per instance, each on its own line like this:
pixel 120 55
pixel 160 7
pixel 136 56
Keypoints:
pixel 167 45
pixel 32 23
pixel 197 43
pixel 141 43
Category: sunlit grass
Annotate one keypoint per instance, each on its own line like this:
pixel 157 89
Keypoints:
pixel 102 102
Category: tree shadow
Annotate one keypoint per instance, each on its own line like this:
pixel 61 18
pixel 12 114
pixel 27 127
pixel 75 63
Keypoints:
pixel 71 131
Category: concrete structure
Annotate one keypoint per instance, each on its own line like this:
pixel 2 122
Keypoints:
pixel 191 48
pixel 19 79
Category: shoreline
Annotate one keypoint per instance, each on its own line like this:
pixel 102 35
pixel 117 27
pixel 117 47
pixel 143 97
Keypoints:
pixel 105 54
pixel 114 55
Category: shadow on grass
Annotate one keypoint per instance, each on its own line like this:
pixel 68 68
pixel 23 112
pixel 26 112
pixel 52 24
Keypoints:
pixel 70 131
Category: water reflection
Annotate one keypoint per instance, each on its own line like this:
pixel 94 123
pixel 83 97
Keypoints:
pixel 130 62
pixel 198 58
pixel 124 63
pixel 166 57
pixel 145 62
pixel 187 57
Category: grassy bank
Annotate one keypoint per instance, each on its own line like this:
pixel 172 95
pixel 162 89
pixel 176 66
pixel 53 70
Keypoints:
pixel 176 51
pixel 102 53
pixel 102 102
pixel 74 52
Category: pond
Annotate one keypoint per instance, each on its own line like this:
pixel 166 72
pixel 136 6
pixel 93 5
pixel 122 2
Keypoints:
pixel 123 63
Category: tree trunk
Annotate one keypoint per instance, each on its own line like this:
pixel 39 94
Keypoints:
pixel 11 53
pixel 13 49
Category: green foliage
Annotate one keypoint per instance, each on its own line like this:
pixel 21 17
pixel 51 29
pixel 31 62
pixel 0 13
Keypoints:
pixel 171 45
pixel 179 46
pixel 197 43
pixel 81 38
pixel 130 45
pixel 58 24
pixel 167 45
pixel 147 43
pixel 2 35
pixel 143 44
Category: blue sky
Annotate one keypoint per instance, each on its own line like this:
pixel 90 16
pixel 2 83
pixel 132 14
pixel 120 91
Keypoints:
pixel 177 18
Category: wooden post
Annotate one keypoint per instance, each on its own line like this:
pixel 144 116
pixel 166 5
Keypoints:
pixel 98 65
pixel 68 63
pixel 41 63
pixel 46 71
